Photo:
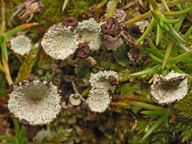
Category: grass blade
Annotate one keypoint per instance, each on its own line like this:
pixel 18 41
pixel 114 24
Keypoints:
pixel 17 126
pixel 188 33
pixel 138 18
pixel 112 8
pixel 167 54
pixel 65 4
pixel 159 34
pixel 4 49
pixel 19 28
pixel 156 59
pixel 152 70
pixel 7 138
pixel 155 126
pixel 177 12
pixel 165 5
pixel 177 59
pixel 154 48
pixel 147 31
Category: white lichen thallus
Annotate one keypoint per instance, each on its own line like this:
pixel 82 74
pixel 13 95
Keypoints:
pixel 34 102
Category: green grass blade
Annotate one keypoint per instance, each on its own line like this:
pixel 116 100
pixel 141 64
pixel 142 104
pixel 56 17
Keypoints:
pixel 7 138
pixel 147 31
pixel 153 112
pixel 176 69
pixel 170 21
pixel 23 131
pixel 155 126
pixel 165 5
pixel 188 33
pixel 17 126
pixel 65 4
pixel 159 34
pixel 19 28
pixel 181 12
pixel 154 48
pixel 1 66
pixel 167 54
pixel 178 25
pixel 152 70
pixel 175 35
pixel 183 46
pixel 166 118
pixel 112 8
pixel 154 4
pixel 174 2
pixel 156 59
pixel 146 105
pixel 177 59
pixel 138 18
pixel 4 49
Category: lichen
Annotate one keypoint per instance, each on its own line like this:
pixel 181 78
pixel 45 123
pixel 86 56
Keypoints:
pixel 173 87
pixel 35 101
pixel 21 45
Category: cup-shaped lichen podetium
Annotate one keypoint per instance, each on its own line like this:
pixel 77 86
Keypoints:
pixel 173 87
pixel 60 42
pixel 21 45
pixel 98 100
pixel 104 79
pixel 35 101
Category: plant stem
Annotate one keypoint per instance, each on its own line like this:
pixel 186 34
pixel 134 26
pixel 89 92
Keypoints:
pixel 177 12
pixel 138 18
pixel 130 97
pixel 147 112
pixel 139 104
pixel 112 9
pixel 115 110
pixel 145 105
pixel 120 104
